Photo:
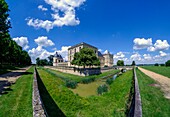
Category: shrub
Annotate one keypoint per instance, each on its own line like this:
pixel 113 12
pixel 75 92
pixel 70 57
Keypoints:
pixel 109 81
pixel 71 84
pixel 101 89
pixel 88 80
pixel 167 63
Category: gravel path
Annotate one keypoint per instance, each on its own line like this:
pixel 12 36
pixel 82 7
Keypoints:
pixel 162 80
pixel 11 77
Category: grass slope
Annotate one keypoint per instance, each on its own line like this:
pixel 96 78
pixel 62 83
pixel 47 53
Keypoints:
pixel 109 104
pixel 153 102
pixel 79 78
pixel 165 71
pixel 18 101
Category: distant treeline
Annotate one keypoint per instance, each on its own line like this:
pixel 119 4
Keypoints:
pixel 10 51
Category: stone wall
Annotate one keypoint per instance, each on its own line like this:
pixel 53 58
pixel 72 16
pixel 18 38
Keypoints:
pixel 38 107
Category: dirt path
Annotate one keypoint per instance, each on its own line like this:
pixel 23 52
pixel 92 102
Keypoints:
pixel 11 77
pixel 162 80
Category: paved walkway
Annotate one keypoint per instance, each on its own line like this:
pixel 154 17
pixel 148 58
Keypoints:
pixel 11 77
pixel 162 80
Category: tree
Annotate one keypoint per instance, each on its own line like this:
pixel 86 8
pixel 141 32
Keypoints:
pixel 156 64
pixel 10 51
pixel 50 58
pixel 167 63
pixel 133 63
pixel 86 57
pixel 120 63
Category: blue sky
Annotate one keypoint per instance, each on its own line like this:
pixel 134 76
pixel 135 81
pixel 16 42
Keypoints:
pixel 131 30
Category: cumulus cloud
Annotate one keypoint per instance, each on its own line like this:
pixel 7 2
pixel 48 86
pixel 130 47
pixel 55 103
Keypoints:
pixel 162 54
pixel 159 46
pixel 39 52
pixel 44 41
pixel 64 52
pixel 142 43
pixel 106 52
pixel 136 57
pixel 22 41
pixel 119 55
pixel 147 57
pixel 43 53
pixel 68 17
pixel 42 8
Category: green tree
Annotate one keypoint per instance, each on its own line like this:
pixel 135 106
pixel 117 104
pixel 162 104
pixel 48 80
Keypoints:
pixel 50 58
pixel 86 57
pixel 120 63
pixel 133 63
pixel 4 29
pixel 156 64
pixel 167 63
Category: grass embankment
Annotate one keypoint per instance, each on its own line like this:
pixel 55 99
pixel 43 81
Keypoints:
pixel 111 103
pixel 165 71
pixel 18 100
pixel 79 78
pixel 154 104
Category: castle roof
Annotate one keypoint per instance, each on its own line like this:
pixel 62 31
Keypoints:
pixel 58 55
pixel 83 43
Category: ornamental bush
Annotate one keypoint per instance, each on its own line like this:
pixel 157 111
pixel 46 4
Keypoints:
pixel 109 81
pixel 71 84
pixel 101 89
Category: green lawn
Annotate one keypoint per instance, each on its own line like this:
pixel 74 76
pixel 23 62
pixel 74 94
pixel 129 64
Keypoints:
pixel 112 103
pixel 154 104
pixel 79 78
pixel 18 101
pixel 159 69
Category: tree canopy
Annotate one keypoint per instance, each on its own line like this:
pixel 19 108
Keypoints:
pixel 133 63
pixel 167 63
pixel 120 63
pixel 10 51
pixel 86 57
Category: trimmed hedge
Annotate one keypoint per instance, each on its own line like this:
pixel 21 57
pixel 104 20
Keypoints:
pixel 87 80
pixel 109 81
pixel 71 84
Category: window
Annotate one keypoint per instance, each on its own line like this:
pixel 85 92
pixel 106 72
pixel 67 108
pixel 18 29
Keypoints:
pixel 79 49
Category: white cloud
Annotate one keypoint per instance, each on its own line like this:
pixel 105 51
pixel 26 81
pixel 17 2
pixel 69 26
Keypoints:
pixel 162 54
pixel 159 46
pixel 42 8
pixel 142 43
pixel 68 18
pixel 147 57
pixel 106 52
pixel 44 41
pixel 136 57
pixel 39 52
pixel 64 52
pixel 22 41
pixel 36 23
pixel 119 55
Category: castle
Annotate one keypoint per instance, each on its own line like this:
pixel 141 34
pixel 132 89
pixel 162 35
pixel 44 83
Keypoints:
pixel 106 59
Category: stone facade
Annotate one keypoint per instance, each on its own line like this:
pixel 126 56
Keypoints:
pixel 105 59
pixel 72 50
pixel 108 59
